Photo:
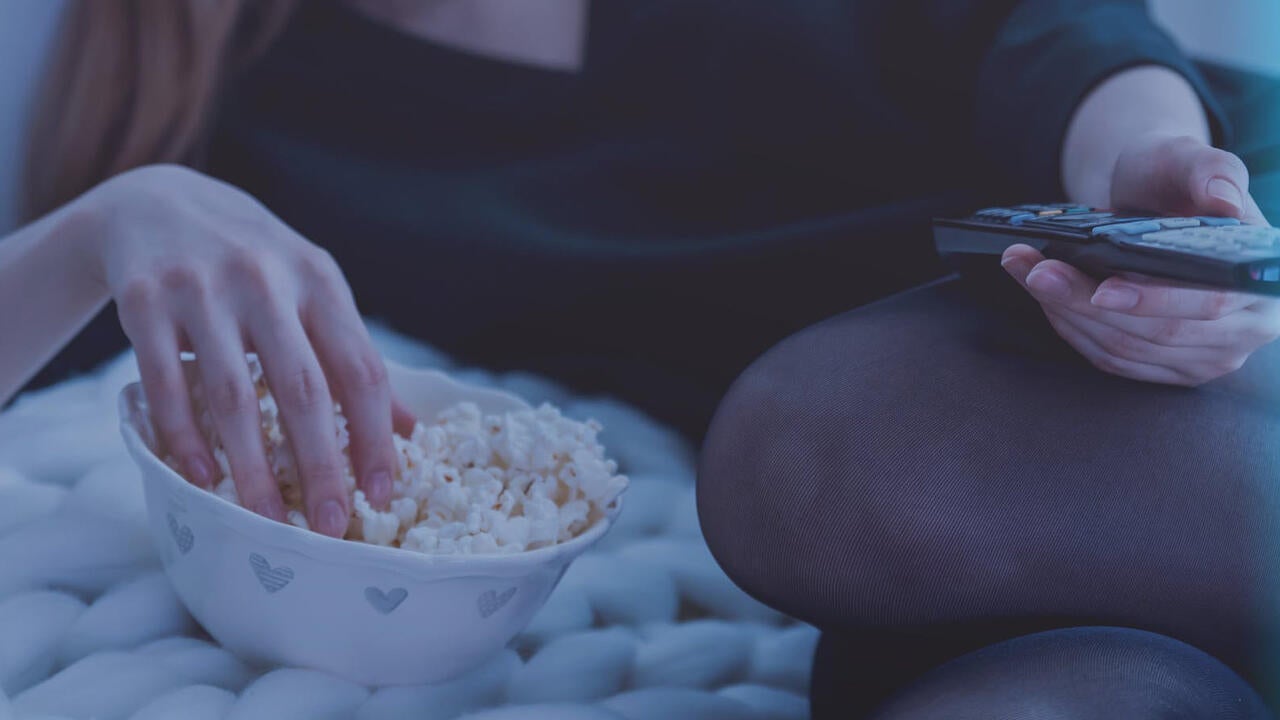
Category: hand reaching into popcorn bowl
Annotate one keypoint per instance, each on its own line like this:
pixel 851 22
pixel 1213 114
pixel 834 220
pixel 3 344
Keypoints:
pixel 492 501
pixel 303 433
pixel 197 265
pixel 468 517
pixel 465 482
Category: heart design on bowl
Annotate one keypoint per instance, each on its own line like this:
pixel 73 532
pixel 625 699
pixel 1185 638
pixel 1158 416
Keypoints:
pixel 429 641
pixel 491 602
pixel 176 504
pixel 182 535
pixel 385 602
pixel 272 578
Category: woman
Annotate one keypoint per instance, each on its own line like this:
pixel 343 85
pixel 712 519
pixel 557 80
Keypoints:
pixel 633 197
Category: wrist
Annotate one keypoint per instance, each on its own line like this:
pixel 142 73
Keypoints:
pixel 79 230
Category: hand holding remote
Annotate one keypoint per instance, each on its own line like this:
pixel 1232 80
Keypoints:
pixel 1148 329
pixel 1183 176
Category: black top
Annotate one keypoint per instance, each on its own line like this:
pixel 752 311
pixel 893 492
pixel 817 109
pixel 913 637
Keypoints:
pixel 719 173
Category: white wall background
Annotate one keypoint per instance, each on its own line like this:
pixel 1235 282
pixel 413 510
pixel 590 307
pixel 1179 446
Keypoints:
pixel 1245 33
pixel 1240 32
pixel 26 27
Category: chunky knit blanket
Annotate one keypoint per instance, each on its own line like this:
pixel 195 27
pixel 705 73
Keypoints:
pixel 645 626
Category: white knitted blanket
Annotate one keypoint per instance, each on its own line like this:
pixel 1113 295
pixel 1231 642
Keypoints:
pixel 645 626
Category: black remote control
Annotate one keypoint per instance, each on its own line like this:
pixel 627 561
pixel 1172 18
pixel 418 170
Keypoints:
pixel 1219 252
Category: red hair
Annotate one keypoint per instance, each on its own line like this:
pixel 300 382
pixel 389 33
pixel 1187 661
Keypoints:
pixel 134 82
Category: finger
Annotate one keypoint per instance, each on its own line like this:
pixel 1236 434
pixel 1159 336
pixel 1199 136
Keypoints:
pixel 1182 176
pixel 1018 260
pixel 233 404
pixel 1247 329
pixel 1218 182
pixel 1242 330
pixel 1120 303
pixel 1053 282
pixel 155 342
pixel 356 371
pixel 1150 297
pixel 1105 361
pixel 1194 365
pixel 1252 213
pixel 1265 322
pixel 402 419
pixel 1203 318
pixel 306 409
pixel 1266 307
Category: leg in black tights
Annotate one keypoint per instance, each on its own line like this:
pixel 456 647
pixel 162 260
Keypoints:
pixel 1079 674
pixel 923 477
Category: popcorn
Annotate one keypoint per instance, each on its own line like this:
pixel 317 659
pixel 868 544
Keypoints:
pixel 467 483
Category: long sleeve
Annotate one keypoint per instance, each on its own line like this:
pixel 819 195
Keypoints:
pixel 1004 77
pixel 1043 61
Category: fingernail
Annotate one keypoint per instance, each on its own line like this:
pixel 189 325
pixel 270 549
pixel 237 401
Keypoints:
pixel 1225 190
pixel 199 471
pixel 270 508
pixel 1049 284
pixel 331 519
pixel 1014 266
pixel 1116 297
pixel 378 487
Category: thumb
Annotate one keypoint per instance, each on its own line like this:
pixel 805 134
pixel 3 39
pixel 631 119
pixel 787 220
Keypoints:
pixel 1182 176
pixel 1218 184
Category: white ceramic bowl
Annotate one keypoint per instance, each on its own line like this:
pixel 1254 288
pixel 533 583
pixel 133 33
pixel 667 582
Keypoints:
pixel 274 593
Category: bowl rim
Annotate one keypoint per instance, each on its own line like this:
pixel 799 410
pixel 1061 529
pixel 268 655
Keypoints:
pixel 321 548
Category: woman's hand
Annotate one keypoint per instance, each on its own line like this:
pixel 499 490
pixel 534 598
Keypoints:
pixel 196 264
pixel 1148 329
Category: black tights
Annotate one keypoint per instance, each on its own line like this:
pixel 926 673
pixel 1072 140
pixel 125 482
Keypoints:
pixel 925 477
pixel 1076 673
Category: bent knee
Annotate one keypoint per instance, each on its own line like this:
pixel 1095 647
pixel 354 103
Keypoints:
pixel 785 479
pixel 1080 674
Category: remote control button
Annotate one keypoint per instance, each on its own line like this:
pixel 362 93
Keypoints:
pixel 1180 239
pixel 1225 240
pixel 1253 236
pixel 1172 223
pixel 1003 215
pixel 1254 242
pixel 1129 228
pixel 1082 222
pixel 1075 218
pixel 1048 208
pixel 1258 252
pixel 1218 221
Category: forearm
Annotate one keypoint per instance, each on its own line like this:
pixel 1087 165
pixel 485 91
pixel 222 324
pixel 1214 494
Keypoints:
pixel 47 292
pixel 1147 100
